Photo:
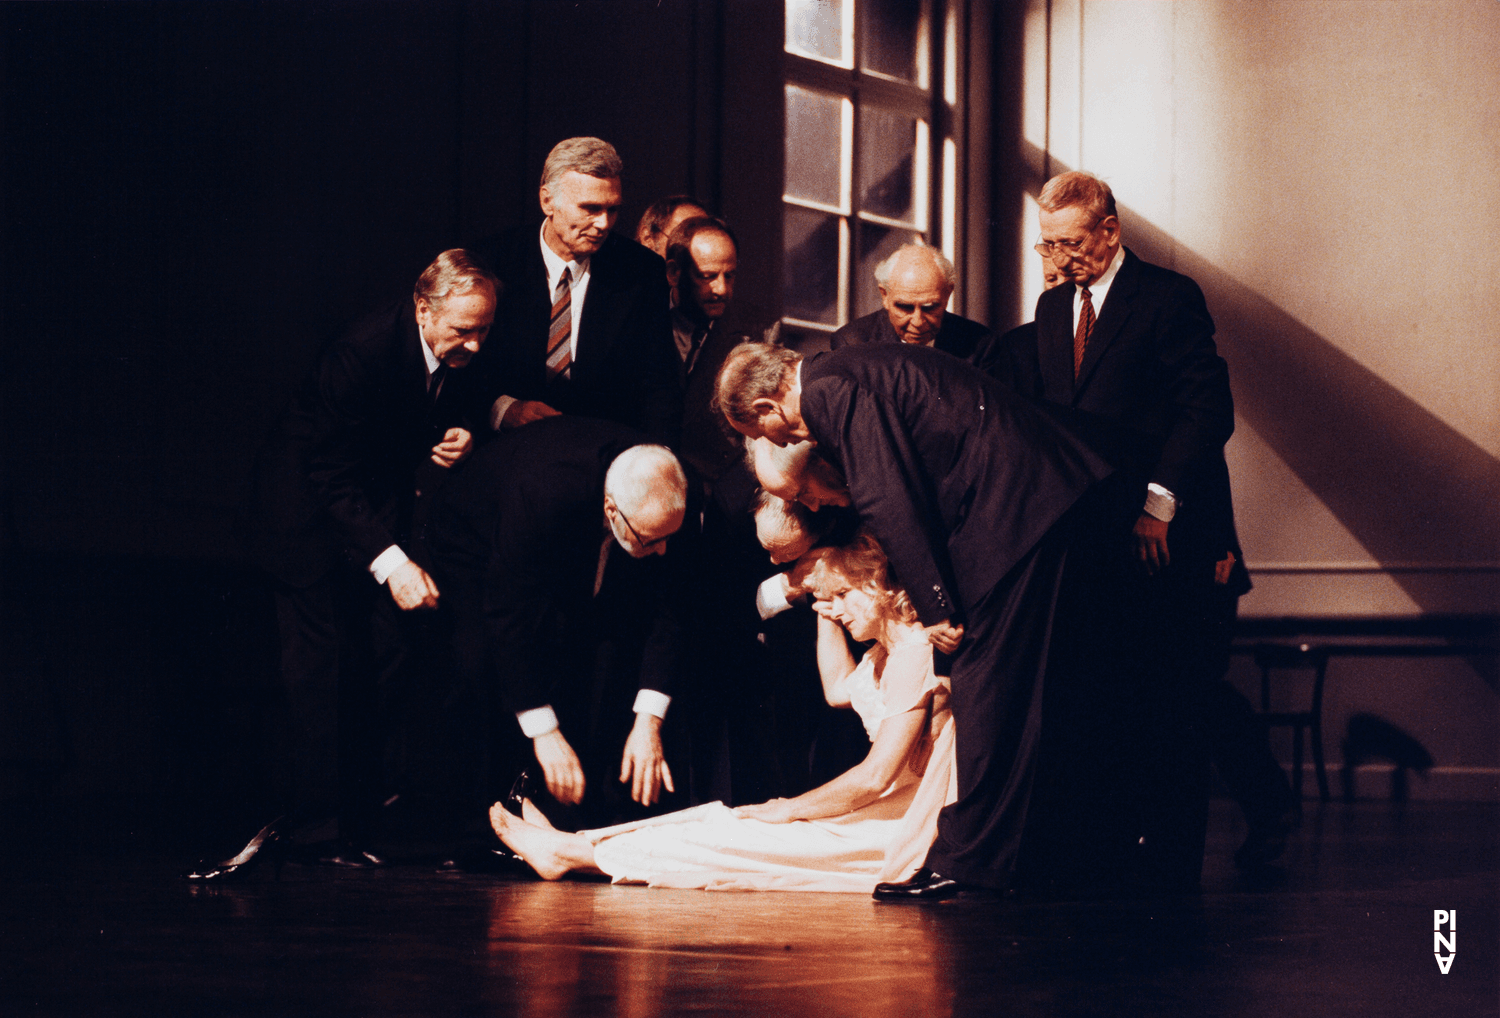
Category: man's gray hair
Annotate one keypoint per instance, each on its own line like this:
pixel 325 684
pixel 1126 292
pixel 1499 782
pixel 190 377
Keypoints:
pixel 944 266
pixel 453 271
pixel 645 473
pixel 593 157
pixel 1078 189
pixel 791 459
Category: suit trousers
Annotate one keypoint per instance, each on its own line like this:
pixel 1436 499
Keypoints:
pixel 345 651
pixel 998 677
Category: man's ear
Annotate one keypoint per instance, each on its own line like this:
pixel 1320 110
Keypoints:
pixel 674 274
pixel 1112 228
pixel 545 197
pixel 764 406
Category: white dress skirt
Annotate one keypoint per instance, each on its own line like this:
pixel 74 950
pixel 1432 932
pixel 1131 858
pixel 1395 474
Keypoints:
pixel 710 847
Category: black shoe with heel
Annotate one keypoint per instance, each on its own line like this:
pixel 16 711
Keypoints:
pixel 268 847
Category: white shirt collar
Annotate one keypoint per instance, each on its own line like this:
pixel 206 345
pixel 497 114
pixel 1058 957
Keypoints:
pixel 1100 286
pixel 555 264
pixel 427 355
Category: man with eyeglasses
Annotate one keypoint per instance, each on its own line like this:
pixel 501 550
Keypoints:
pixel 1129 345
pixel 552 545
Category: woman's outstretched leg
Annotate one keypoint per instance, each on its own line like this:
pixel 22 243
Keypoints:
pixel 552 853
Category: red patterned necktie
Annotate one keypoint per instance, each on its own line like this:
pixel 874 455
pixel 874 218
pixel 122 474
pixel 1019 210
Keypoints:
pixel 560 333
pixel 1085 327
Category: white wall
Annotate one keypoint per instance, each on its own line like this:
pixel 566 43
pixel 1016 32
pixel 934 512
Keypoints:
pixel 1327 171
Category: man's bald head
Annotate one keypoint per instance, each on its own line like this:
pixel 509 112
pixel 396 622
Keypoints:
pixel 915 284
pixel 796 473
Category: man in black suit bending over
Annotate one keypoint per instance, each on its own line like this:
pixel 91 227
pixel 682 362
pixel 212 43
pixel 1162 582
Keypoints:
pixel 915 283
pixel 969 489
pixel 346 474
pixel 584 317
pixel 551 544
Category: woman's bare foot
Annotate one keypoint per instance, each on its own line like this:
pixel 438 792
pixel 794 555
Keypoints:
pixel 552 853
pixel 534 816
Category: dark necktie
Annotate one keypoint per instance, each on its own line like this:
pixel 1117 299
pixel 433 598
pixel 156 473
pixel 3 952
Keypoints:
pixel 560 333
pixel 695 347
pixel 435 382
pixel 1085 328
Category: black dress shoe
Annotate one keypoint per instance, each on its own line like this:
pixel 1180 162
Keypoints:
pixel 268 847
pixel 925 885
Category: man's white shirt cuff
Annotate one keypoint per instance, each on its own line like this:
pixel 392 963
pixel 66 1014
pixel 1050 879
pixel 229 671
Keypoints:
pixel 770 597
pixel 537 721
pixel 1160 502
pixel 498 409
pixel 386 562
pixel 650 701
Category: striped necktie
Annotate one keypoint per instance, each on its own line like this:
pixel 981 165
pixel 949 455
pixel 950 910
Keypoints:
pixel 560 333
pixel 1085 328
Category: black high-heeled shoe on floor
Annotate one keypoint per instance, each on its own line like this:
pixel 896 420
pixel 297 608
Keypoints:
pixel 268 847
pixel 523 788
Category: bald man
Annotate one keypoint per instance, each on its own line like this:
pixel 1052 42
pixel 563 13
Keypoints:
pixel 915 283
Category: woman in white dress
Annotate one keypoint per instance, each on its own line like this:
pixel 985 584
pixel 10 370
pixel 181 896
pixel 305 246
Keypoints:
pixel 873 823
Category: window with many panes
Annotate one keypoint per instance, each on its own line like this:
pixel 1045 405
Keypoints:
pixel 871 158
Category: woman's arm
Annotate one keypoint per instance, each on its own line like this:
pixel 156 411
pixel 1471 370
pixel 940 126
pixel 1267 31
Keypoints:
pixel 905 670
pixel 859 785
pixel 835 662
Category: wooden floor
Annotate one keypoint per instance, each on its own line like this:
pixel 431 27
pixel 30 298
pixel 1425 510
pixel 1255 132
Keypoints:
pixel 1345 929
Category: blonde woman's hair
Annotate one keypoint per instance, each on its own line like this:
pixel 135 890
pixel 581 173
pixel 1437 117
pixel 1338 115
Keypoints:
pixel 861 563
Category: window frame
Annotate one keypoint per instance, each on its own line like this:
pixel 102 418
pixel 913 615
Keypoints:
pixel 935 105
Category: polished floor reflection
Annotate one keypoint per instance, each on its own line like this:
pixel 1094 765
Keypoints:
pixel 1344 929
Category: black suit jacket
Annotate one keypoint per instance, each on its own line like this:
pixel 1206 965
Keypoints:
pixel 626 369
pixel 956 475
pixel 524 521
pixel 1009 357
pixel 707 443
pixel 340 475
pixel 1151 369
pixel 958 336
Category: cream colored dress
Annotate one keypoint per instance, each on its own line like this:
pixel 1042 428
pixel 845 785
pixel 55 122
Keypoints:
pixel 709 847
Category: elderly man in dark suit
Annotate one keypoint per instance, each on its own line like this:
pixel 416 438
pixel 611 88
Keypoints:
pixel 972 492
pixel 583 325
pixel 915 283
pixel 341 489
pixel 550 542
pixel 1131 344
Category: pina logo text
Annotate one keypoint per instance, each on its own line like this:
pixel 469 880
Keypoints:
pixel 1444 941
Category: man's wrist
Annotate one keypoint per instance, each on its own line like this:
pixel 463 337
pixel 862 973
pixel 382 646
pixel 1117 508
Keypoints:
pixel 770 596
pixel 537 722
pixel 498 410
pixel 1160 503
pixel 387 562
pixel 651 703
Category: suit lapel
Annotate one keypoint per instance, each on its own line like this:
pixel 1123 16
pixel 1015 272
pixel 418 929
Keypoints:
pixel 595 328
pixel 1112 318
pixel 538 311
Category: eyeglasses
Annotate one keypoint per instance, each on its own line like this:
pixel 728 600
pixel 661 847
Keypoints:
pixel 639 540
pixel 1069 248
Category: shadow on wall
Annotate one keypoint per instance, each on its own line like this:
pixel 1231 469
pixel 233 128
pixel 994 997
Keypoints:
pixel 1405 484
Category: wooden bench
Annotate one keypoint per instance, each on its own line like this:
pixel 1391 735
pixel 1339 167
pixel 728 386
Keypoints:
pixel 1310 642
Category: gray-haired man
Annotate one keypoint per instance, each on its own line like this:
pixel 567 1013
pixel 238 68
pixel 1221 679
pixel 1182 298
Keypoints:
pixel 915 283
pixel 583 327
